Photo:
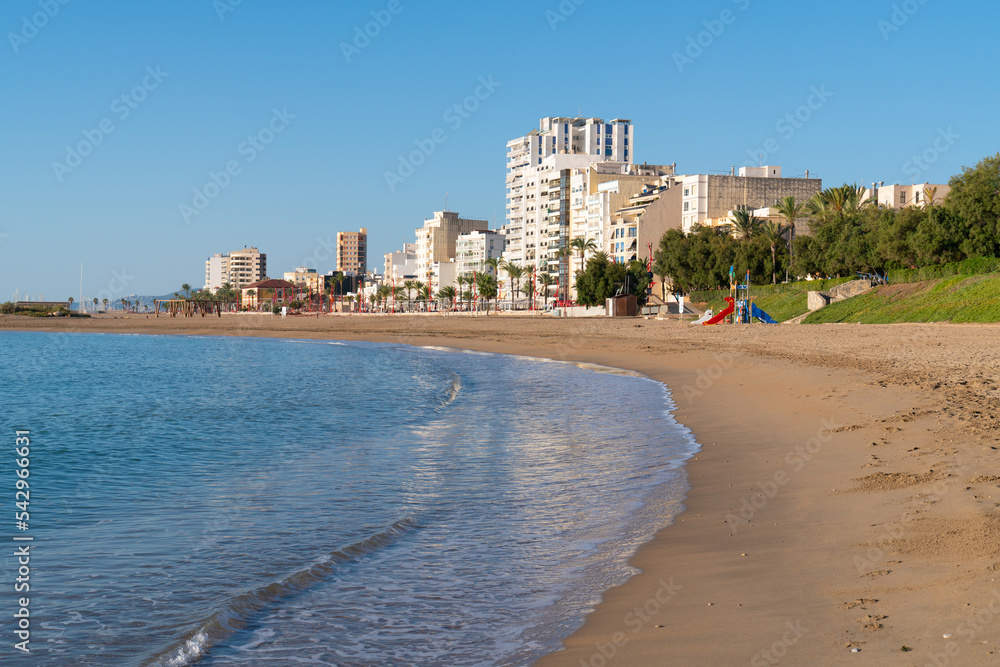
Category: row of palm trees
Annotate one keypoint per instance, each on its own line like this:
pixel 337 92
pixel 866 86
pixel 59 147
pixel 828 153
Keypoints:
pixel 482 285
pixel 746 226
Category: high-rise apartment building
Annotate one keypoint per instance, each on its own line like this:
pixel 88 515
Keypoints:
pixel 246 266
pixel 352 252
pixel 536 158
pixel 238 268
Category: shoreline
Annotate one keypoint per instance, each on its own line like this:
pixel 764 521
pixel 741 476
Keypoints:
pixel 827 475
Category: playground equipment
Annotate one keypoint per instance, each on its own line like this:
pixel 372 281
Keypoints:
pixel 741 307
pixel 709 314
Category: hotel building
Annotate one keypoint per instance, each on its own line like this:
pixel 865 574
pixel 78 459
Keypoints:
pixel 352 252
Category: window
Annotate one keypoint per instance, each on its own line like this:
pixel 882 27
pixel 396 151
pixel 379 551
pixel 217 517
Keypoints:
pixel 902 197
pixel 687 192
pixel 687 206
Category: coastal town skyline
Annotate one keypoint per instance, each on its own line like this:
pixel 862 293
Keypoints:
pixel 271 154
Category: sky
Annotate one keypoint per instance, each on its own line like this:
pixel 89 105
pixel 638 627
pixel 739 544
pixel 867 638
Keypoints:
pixel 139 138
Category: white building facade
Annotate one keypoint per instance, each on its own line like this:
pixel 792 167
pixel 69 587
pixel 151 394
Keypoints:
pixel 530 166
pixel 472 250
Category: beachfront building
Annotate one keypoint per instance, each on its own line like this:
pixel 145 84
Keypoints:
pixel 608 190
pixel 401 264
pixel 238 268
pixel 472 250
pixel 902 196
pixel 437 242
pixel 712 196
pixel 305 278
pixel 530 167
pixel 216 271
pixel 352 251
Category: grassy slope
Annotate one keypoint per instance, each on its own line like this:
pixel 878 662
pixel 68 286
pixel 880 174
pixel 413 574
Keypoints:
pixel 955 299
pixel 782 302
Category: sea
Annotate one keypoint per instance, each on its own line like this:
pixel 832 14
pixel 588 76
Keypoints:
pixel 253 501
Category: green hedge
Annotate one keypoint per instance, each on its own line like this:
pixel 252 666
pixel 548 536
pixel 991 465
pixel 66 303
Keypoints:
pixel 974 266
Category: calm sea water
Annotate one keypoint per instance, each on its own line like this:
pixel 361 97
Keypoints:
pixel 219 501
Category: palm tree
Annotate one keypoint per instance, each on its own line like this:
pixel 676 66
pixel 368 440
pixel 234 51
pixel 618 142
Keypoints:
pixel 187 290
pixel 70 303
pixel 447 294
pixel 583 246
pixel 563 254
pixel 95 303
pixel 497 264
pixel 838 201
pixel 547 281
pixel 339 278
pixel 487 286
pixel 745 223
pixel 929 194
pixel 105 302
pixel 409 286
pixel 774 233
pixel 515 273
pixel 382 294
pixel 790 211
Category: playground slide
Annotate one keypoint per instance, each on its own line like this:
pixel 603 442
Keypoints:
pixel 704 318
pixel 724 314
pixel 760 314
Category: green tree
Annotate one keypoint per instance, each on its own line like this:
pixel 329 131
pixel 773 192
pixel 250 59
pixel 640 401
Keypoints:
pixel 745 224
pixel 486 286
pixel 699 260
pixel 791 211
pixel 582 246
pixel 447 295
pixel 563 254
pixel 774 234
pixel 187 290
pixel 975 197
pixel 515 273
pixel 408 286
pixel 546 281
pixel 603 279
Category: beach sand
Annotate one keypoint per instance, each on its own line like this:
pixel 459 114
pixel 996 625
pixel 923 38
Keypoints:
pixel 847 495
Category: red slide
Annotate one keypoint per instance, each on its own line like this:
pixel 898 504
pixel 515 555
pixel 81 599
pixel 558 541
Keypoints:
pixel 724 314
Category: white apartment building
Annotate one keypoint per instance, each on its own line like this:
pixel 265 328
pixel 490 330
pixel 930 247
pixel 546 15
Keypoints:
pixel 581 141
pixel 401 264
pixel 437 238
pixel 238 268
pixel 472 250
pixel 216 271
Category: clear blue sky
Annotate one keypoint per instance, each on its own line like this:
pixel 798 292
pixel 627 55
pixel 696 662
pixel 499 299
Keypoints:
pixel 221 74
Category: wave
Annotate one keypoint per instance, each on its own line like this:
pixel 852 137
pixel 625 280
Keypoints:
pixel 238 612
pixel 452 391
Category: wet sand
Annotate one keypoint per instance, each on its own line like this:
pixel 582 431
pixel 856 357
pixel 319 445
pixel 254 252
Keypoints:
pixel 847 495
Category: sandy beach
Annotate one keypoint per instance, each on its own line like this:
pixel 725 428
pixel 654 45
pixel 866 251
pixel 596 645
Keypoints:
pixel 846 495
